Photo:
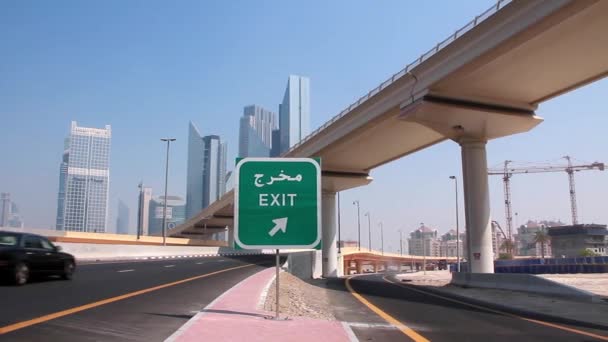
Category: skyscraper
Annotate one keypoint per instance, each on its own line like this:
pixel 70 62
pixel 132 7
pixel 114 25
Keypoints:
pixel 84 182
pixel 275 151
pixel 122 219
pixel 143 211
pixel 255 132
pixel 63 176
pixel 206 178
pixel 9 213
pixel 294 112
pixel 5 209
pixel 15 221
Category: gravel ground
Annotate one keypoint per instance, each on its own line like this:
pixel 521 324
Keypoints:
pixel 593 282
pixel 299 298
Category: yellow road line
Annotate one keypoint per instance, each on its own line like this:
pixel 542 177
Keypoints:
pixel 409 332
pixel 552 325
pixel 45 318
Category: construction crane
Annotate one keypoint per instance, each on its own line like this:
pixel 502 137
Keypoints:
pixel 507 172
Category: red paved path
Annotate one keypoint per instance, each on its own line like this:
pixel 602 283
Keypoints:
pixel 234 317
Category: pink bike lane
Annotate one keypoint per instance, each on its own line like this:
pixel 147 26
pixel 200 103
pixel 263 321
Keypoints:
pixel 234 316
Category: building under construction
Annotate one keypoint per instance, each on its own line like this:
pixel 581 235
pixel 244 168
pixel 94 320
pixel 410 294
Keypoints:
pixel 579 240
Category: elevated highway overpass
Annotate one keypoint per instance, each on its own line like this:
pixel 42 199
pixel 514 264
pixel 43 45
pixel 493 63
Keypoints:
pixel 483 82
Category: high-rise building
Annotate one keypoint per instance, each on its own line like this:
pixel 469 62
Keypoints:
pixel 63 176
pixel 143 210
pixel 450 246
pixel 84 181
pixel 275 151
pixel 15 220
pixel 122 219
pixel 9 212
pixel 255 131
pixel 5 209
pixel 294 112
pixel 423 241
pixel 176 214
pixel 206 178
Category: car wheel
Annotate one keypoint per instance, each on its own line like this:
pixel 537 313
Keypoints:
pixel 68 270
pixel 22 274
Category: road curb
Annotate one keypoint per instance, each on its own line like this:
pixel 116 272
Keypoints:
pixel 505 308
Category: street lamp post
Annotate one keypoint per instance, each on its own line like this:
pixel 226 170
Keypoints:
pixel 457 225
pixel 401 242
pixel 339 235
pixel 381 238
pixel 423 248
pixel 358 223
pixel 369 226
pixel 412 250
pixel 140 210
pixel 168 141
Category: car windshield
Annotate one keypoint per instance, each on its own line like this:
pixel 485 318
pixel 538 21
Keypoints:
pixel 7 240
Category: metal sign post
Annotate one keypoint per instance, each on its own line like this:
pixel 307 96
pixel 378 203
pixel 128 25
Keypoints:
pixel 277 281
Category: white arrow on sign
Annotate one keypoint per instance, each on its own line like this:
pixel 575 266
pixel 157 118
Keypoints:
pixel 279 224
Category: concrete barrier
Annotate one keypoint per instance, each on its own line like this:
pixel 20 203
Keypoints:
pixel 305 264
pixel 92 251
pixel 522 282
pixel 114 239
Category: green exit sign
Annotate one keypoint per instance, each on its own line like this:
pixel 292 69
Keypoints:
pixel 277 203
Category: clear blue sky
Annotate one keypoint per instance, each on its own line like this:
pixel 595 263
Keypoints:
pixel 148 67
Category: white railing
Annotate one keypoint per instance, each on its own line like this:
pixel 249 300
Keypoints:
pixel 478 19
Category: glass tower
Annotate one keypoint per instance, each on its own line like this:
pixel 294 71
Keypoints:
pixel 84 181
pixel 255 133
pixel 294 112
pixel 5 209
pixel 206 178
pixel 122 219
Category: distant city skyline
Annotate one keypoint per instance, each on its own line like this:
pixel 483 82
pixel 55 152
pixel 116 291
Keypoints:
pixel 84 180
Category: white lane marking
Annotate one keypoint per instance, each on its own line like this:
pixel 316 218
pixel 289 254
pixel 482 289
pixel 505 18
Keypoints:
pixel 169 265
pixel 349 331
pixel 200 263
pixel 370 325
pixel 123 271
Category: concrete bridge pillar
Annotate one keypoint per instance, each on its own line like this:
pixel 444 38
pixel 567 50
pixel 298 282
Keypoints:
pixel 477 205
pixel 329 250
pixel 230 233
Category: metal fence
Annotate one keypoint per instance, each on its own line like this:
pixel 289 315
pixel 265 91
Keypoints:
pixel 598 264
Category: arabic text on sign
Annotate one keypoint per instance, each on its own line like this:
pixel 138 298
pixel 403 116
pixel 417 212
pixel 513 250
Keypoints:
pixel 258 181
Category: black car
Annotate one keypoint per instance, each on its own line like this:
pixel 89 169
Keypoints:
pixel 23 255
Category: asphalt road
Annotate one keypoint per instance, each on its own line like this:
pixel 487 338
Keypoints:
pixel 438 319
pixel 149 316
